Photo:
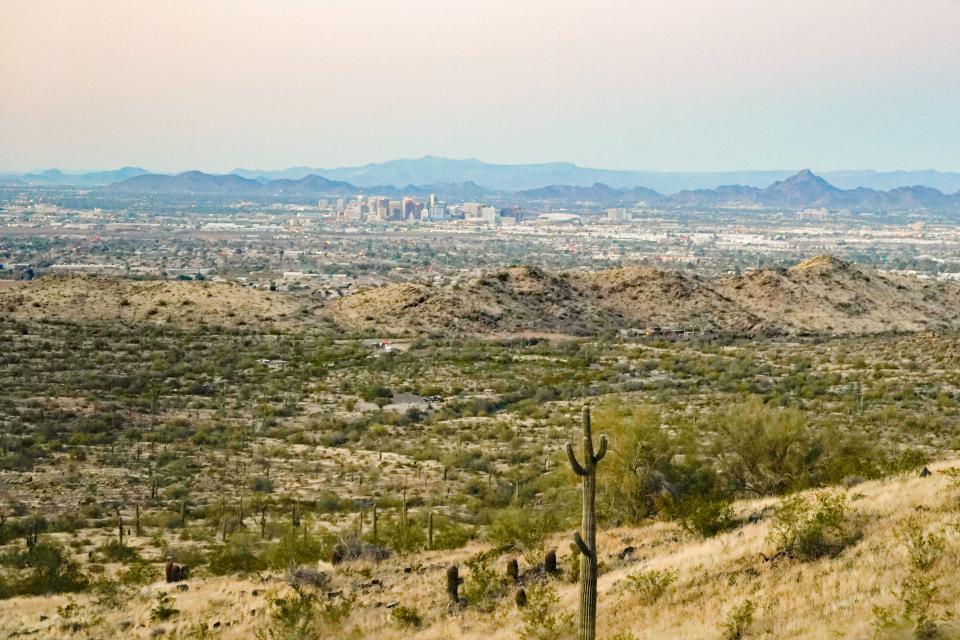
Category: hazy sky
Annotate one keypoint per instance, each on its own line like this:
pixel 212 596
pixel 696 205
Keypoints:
pixel 634 84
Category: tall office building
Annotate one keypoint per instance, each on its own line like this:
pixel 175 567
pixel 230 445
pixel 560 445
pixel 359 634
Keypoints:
pixel 471 210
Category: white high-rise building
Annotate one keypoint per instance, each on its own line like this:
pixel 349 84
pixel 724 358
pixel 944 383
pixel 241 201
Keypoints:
pixel 618 215
pixel 488 215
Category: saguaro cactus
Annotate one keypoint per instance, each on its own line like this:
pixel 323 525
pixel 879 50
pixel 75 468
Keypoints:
pixel 586 538
pixel 513 570
pixel 550 561
pixel 453 583
pixel 430 530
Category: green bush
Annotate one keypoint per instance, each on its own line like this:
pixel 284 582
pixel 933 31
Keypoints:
pixel 113 551
pixel 703 515
pixel 294 548
pixel 163 608
pixel 920 609
pixel 763 449
pixel 542 619
pixel 114 593
pixel 237 555
pixel 304 614
pixel 738 622
pixel 522 529
pixel 406 617
pixel 50 571
pixel 483 587
pixel 808 529
pixel 650 585
pixel 261 484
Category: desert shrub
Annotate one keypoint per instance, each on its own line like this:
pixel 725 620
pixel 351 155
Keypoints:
pixel 483 587
pixel 522 529
pixel 703 515
pixel 907 461
pixel 163 608
pixel 919 609
pixel 114 593
pixel 293 547
pixel 113 551
pixel 50 571
pixel 406 617
pixel 304 612
pixel 261 484
pixel 650 585
pixel 190 555
pixel 737 623
pixel 237 555
pixel 807 529
pixel 449 534
pixel 334 610
pixel 541 618
pixel 762 449
pixel 640 472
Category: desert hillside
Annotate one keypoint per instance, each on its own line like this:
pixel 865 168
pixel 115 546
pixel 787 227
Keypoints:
pixel 825 294
pixel 822 295
pixel 656 581
pixel 92 298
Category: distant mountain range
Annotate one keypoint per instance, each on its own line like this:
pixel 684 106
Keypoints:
pixel 801 190
pixel 196 182
pixel 519 177
pixel 431 170
pixel 55 177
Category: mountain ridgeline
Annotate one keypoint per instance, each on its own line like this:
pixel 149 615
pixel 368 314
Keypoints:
pixel 821 295
pixel 802 190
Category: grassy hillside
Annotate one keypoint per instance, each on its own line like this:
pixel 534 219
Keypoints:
pixel 673 584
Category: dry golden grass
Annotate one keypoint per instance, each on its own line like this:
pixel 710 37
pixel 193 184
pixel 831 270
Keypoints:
pixel 826 599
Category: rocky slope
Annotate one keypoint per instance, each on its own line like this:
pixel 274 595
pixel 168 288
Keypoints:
pixel 822 295
pixel 91 298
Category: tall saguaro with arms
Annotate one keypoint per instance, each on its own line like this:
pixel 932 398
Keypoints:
pixel 586 538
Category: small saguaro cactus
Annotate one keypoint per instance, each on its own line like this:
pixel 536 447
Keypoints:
pixel 513 570
pixel 550 561
pixel 453 583
pixel 586 538
pixel 430 530
pixel 520 597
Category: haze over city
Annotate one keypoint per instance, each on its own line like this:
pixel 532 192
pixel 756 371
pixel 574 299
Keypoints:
pixel 679 85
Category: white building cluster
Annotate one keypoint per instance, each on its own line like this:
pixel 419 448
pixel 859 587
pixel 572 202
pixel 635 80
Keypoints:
pixel 364 208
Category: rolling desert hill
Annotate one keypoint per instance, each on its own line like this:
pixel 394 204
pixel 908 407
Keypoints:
pixel 825 294
pixel 188 303
pixel 821 295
